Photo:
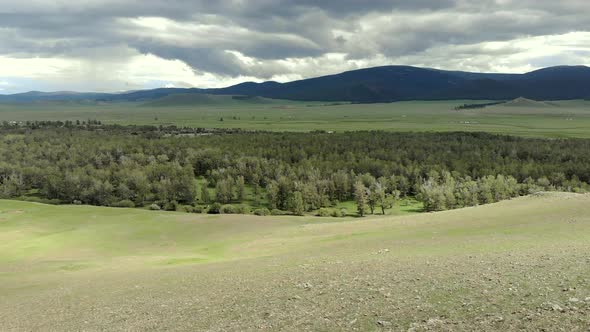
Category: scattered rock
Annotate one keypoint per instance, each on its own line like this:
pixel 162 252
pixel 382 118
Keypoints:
pixel 383 323
pixel 306 286
pixel 557 307
pixel 434 322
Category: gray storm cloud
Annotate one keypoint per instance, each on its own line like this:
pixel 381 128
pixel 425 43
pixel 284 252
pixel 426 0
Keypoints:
pixel 266 39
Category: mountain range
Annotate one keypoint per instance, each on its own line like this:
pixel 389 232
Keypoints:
pixel 371 85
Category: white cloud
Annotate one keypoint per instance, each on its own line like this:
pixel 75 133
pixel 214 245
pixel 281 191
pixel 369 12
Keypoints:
pixel 137 71
pixel 114 45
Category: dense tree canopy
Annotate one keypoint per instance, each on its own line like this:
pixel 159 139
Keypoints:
pixel 96 164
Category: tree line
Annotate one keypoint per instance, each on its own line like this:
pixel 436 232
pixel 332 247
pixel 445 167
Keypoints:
pixel 168 167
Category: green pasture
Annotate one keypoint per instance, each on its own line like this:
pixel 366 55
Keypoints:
pixel 520 264
pixel 561 119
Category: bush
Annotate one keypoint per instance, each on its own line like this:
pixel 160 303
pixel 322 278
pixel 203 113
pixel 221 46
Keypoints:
pixel 188 209
pixel 197 209
pixel 78 202
pixel 214 208
pixel 336 213
pixel 262 212
pixel 228 209
pixel 122 204
pixel 343 212
pixel 243 209
pixel 155 207
pixel 323 212
pixel 171 206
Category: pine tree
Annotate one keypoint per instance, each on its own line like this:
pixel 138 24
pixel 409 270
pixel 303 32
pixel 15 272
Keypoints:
pixel 360 195
pixel 240 188
pixel 223 191
pixel 296 204
pixel 372 198
pixel 205 196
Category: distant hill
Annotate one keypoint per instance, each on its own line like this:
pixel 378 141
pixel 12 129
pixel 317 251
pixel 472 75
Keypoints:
pixel 195 99
pixel 524 102
pixel 32 96
pixel 378 84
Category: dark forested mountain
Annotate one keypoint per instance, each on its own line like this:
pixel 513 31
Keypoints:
pixel 381 84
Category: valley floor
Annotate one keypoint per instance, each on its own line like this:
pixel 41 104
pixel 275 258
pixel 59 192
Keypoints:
pixel 516 265
pixel 561 119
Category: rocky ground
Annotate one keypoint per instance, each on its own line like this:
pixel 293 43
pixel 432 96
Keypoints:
pixel 502 279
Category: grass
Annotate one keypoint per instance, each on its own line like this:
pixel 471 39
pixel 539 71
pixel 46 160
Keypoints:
pixel 562 119
pixel 515 265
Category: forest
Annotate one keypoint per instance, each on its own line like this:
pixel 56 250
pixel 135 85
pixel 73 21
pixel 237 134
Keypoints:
pixel 198 170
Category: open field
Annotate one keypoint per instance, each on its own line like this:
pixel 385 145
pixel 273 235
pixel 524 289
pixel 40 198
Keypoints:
pixel 560 119
pixel 516 265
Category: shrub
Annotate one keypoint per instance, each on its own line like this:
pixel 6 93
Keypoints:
pixel 336 213
pixel 343 212
pixel 323 212
pixel 188 209
pixel 197 209
pixel 214 208
pixel 122 204
pixel 171 206
pixel 78 202
pixel 262 212
pixel 155 207
pixel 228 209
pixel 243 209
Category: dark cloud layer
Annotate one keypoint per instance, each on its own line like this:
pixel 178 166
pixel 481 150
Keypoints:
pixel 269 38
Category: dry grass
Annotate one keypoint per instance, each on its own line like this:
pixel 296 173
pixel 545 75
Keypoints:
pixel 516 265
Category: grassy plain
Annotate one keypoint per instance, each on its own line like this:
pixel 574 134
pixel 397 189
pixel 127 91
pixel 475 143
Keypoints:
pixel 560 119
pixel 516 265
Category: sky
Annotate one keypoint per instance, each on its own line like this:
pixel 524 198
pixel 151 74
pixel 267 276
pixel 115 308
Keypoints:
pixel 121 45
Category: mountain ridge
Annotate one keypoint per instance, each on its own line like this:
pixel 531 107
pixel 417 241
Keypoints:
pixel 376 84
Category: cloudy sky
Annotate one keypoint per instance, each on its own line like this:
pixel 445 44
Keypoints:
pixel 116 45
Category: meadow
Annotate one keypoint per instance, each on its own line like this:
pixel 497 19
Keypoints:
pixel 515 265
pixel 557 119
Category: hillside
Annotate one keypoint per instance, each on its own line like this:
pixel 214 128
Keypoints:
pixel 398 83
pixel 524 102
pixel 380 84
pixel 514 265
pixel 188 99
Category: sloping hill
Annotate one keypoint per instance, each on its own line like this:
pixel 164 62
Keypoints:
pixel 400 83
pixel 384 84
pixel 188 99
pixel 147 95
pixel 514 265
pixel 33 96
pixel 524 102
pixel 368 85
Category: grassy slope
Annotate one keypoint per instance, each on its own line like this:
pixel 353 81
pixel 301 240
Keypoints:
pixel 565 119
pixel 514 264
pixel 200 100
